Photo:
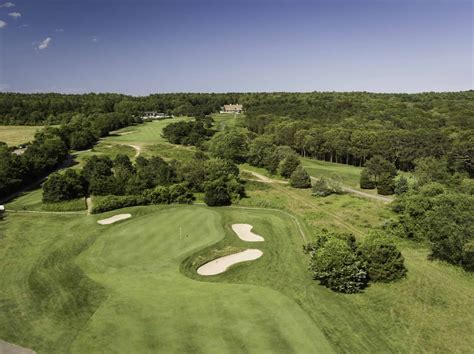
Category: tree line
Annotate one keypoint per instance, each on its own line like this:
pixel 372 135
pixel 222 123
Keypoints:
pixel 50 148
pixel 147 181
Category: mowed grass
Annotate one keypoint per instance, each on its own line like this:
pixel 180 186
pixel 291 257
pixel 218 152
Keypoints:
pixel 140 300
pixel 33 201
pixel 348 175
pixel 147 137
pixel 224 121
pixel 138 279
pixel 18 134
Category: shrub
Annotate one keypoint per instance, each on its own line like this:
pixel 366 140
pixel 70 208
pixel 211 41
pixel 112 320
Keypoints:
pixel 181 194
pixel 336 265
pixel 365 181
pixel 216 193
pixel 159 195
pixel 401 186
pixel 112 202
pixel 468 257
pixel 324 187
pixel 383 260
pixel 61 187
pixel 386 184
pixel 300 178
pixel 289 165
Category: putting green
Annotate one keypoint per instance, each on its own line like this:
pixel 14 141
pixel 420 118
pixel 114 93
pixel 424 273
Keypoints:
pixel 151 306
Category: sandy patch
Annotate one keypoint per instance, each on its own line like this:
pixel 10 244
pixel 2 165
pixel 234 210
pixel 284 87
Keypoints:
pixel 8 348
pixel 114 218
pixel 244 233
pixel 220 265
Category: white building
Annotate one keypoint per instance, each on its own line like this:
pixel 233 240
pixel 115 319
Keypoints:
pixel 232 108
pixel 154 115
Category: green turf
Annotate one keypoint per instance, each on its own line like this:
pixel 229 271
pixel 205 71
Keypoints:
pixel 145 304
pixel 223 121
pixel 137 279
pixel 349 175
pixel 17 134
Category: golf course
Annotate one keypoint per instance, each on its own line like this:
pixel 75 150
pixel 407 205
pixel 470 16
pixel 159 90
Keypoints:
pixel 142 279
pixel 131 278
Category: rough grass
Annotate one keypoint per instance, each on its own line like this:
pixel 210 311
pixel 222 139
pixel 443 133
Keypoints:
pixel 33 201
pixel 18 134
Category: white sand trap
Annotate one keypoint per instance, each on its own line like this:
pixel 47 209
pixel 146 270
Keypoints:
pixel 220 265
pixel 244 233
pixel 114 218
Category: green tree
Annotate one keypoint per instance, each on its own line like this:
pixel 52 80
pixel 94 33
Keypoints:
pixel 289 165
pixel 401 186
pixel 386 184
pixel 383 260
pixel 230 145
pixel 336 265
pixel 365 180
pixel 429 169
pixel 300 178
pixel 216 193
pixel 60 187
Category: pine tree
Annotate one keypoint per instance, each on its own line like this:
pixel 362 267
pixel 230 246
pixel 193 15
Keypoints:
pixel 300 178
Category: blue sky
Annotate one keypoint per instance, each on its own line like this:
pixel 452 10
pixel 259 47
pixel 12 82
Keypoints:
pixel 143 46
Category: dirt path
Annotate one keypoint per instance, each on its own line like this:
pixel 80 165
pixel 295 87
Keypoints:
pixel 137 148
pixel 9 348
pixel 380 198
pixel 293 195
pixel 264 179
pixel 89 205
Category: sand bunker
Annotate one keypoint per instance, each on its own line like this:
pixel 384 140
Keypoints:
pixel 244 233
pixel 220 265
pixel 114 218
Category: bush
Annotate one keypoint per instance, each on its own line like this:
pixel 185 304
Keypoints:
pixel 386 184
pixel 300 178
pixel 365 181
pixel 383 260
pixel 159 195
pixel 61 187
pixel 401 186
pixel 112 202
pixel 289 165
pixel 468 257
pixel 181 194
pixel 324 187
pixel 216 193
pixel 336 265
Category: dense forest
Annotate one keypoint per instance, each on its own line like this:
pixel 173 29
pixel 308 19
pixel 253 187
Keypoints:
pixel 339 127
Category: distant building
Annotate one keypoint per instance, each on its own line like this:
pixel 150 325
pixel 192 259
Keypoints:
pixel 232 108
pixel 154 115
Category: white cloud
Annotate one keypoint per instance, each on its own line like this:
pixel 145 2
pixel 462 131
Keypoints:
pixel 95 40
pixel 15 15
pixel 2 24
pixel 7 4
pixel 24 25
pixel 58 30
pixel 45 44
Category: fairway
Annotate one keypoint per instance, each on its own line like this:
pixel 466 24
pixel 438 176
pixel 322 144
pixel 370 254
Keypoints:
pixel 18 134
pixel 144 303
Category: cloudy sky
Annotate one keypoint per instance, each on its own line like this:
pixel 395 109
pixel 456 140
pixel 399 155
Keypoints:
pixel 144 46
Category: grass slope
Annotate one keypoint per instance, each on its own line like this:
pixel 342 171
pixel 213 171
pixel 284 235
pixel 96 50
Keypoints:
pixel 17 134
pixel 146 303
